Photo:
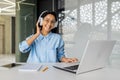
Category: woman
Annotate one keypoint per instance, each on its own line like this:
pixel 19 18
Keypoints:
pixel 45 46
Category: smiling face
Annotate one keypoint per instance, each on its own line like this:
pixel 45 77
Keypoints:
pixel 48 23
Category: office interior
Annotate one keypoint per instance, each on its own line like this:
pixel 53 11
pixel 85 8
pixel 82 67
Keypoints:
pixel 79 21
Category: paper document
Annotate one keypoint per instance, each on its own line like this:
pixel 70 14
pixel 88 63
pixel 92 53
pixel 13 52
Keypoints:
pixel 30 67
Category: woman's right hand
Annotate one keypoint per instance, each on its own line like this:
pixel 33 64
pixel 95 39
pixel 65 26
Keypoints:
pixel 37 28
pixel 30 41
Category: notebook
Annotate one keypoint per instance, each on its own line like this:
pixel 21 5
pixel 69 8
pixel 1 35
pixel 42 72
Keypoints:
pixel 95 56
pixel 30 67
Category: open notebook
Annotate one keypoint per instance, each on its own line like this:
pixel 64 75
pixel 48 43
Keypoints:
pixel 30 67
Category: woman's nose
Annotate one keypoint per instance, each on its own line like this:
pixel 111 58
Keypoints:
pixel 50 23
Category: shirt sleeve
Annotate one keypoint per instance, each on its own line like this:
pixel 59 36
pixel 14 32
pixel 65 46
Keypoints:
pixel 60 53
pixel 23 46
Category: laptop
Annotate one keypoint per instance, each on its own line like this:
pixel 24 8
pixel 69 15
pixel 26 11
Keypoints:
pixel 95 56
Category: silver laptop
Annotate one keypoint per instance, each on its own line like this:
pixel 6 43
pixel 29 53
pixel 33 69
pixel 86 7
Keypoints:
pixel 95 56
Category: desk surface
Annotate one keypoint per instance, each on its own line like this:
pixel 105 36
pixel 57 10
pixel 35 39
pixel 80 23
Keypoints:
pixel 108 73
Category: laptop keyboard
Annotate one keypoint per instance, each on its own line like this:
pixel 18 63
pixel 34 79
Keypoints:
pixel 75 67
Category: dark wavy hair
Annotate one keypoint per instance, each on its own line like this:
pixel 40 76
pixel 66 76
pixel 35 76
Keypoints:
pixel 49 12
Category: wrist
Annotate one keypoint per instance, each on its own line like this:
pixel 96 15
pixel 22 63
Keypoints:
pixel 37 34
pixel 63 59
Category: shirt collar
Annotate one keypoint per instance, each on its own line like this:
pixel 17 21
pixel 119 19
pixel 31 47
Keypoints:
pixel 47 36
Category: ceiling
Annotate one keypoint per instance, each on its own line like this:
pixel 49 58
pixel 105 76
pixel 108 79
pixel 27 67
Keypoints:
pixel 7 7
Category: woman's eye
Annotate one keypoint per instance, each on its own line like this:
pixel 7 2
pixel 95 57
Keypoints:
pixel 53 22
pixel 47 20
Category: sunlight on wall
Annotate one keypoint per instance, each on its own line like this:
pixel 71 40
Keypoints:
pixel 115 9
pixel 86 14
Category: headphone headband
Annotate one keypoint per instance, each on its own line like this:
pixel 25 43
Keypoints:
pixel 41 15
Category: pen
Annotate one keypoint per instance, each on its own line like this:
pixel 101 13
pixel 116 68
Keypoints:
pixel 44 69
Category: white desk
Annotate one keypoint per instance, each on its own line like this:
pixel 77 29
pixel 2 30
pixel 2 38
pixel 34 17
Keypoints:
pixel 108 73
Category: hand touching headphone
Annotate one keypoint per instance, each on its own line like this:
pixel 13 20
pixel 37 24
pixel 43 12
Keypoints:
pixel 40 19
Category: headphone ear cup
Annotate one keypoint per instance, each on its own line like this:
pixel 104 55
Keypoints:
pixel 41 21
pixel 56 24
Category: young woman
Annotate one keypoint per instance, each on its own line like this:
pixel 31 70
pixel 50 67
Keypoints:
pixel 45 46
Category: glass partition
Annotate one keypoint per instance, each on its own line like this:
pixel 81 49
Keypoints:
pixel 90 20
pixel 25 23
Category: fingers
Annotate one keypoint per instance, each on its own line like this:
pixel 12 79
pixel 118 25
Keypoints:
pixel 37 24
pixel 70 60
pixel 37 28
pixel 74 59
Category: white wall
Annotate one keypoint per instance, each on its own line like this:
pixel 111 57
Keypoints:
pixel 6 20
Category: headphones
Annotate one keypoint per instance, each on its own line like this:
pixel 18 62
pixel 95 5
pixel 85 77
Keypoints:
pixel 40 19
